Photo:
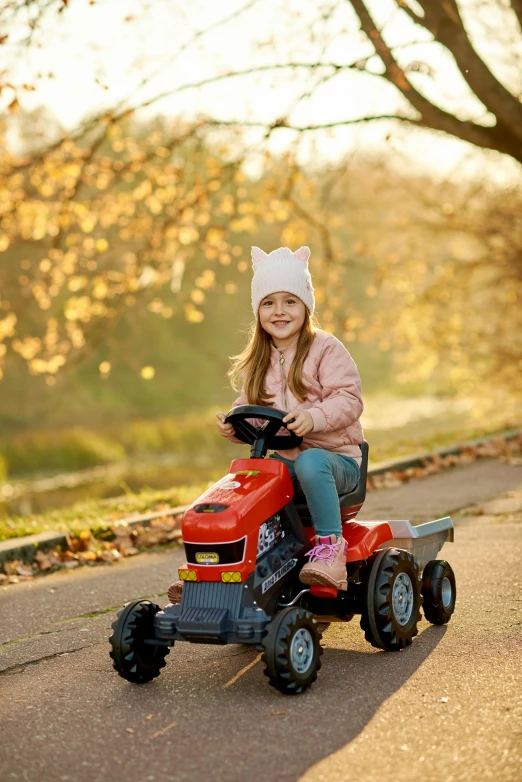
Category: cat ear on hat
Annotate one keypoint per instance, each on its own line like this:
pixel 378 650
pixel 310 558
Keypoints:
pixel 258 255
pixel 303 254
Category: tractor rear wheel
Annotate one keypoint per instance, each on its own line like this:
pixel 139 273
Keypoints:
pixel 292 651
pixel 135 660
pixel 392 601
pixel 439 591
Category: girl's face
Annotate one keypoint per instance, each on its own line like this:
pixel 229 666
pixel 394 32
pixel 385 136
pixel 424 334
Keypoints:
pixel 282 315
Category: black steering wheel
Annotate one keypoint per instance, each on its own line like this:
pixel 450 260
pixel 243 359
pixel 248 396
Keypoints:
pixel 261 437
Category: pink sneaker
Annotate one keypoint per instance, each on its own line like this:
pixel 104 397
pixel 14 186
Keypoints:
pixel 327 565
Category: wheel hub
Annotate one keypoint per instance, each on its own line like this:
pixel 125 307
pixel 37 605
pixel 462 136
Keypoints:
pixel 402 598
pixel 302 651
pixel 446 592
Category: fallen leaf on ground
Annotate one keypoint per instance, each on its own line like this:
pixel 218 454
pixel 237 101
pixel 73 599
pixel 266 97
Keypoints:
pixel 163 730
pixel 87 556
pixel 24 570
pixel 43 561
pixel 10 567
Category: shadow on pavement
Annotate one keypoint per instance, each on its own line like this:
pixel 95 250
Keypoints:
pixel 249 731
pixel 72 718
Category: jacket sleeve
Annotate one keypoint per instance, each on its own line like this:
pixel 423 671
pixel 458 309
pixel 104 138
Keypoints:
pixel 342 403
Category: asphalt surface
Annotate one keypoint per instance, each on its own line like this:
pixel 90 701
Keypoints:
pixel 449 707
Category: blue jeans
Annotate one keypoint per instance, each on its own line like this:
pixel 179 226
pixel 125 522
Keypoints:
pixel 321 476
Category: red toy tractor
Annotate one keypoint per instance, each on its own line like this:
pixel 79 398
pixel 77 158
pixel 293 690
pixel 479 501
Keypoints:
pixel 245 540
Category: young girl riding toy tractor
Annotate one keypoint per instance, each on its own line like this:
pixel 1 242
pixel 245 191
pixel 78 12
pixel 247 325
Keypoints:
pixel 273 544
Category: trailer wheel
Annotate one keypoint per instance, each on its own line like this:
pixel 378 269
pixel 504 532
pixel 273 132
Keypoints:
pixel 292 651
pixel 439 591
pixel 391 609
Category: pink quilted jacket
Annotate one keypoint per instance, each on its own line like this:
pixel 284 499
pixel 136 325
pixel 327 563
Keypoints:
pixel 334 399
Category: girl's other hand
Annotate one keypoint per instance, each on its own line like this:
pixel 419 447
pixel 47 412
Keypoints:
pixel 226 430
pixel 302 423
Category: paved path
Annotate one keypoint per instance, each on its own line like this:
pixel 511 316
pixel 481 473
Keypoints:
pixel 448 708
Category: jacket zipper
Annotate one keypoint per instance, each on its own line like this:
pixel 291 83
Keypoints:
pixel 283 378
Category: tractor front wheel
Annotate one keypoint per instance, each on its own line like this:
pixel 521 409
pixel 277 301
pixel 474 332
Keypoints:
pixel 392 601
pixel 133 658
pixel 292 651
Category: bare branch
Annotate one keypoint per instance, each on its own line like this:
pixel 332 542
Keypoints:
pixel 195 38
pixel 432 116
pixel 282 123
pixel 444 22
pixel 516 5
pixel 403 4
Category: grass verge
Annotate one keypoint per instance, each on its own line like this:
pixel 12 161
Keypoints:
pixel 98 515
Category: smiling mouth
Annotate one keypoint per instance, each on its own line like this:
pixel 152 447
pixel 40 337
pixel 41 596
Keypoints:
pixel 280 322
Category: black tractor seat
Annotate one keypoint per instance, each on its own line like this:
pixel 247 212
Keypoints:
pixel 350 503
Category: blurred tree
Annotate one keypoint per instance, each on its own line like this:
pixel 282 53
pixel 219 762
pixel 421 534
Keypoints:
pixel 95 220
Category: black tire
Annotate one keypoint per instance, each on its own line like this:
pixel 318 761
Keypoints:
pixel 388 622
pixel 292 651
pixel 132 658
pixel 439 591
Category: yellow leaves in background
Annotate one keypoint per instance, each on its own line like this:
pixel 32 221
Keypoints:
pixel 75 334
pixel 148 373
pixel 319 295
pixel 188 234
pixel 100 289
pixel 197 296
pixel 28 348
pixel 77 283
pixel 88 225
pixel 214 236
pixel 193 315
pixel 7 326
pixel 39 366
pixel 101 245
pixel 246 224
pixel 105 368
pixel 206 280
pixel 295 234
pixel 77 308
pixel 226 204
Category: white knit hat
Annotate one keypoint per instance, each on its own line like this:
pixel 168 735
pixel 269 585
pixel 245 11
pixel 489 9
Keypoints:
pixel 281 270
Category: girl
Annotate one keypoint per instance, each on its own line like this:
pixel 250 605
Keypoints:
pixel 291 364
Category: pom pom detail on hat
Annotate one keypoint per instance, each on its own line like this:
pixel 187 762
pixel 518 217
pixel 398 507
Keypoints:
pixel 281 270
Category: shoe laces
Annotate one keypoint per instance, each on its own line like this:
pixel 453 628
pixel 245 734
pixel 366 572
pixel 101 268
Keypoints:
pixel 325 552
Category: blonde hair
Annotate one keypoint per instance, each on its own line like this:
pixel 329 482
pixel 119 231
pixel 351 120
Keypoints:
pixel 249 367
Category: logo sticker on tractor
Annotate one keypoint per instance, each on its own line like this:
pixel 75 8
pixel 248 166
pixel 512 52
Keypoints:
pixel 247 473
pixel 229 485
pixel 207 558
pixel 269 582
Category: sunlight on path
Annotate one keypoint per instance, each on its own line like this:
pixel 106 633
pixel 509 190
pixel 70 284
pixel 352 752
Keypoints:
pixel 387 412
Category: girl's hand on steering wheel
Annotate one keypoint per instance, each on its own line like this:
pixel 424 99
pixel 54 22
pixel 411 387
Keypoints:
pixel 226 430
pixel 302 423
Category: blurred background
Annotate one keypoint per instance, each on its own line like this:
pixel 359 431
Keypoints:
pixel 146 145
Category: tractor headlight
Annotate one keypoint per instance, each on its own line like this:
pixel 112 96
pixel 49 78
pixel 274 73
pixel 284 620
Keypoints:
pixel 187 575
pixel 231 577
